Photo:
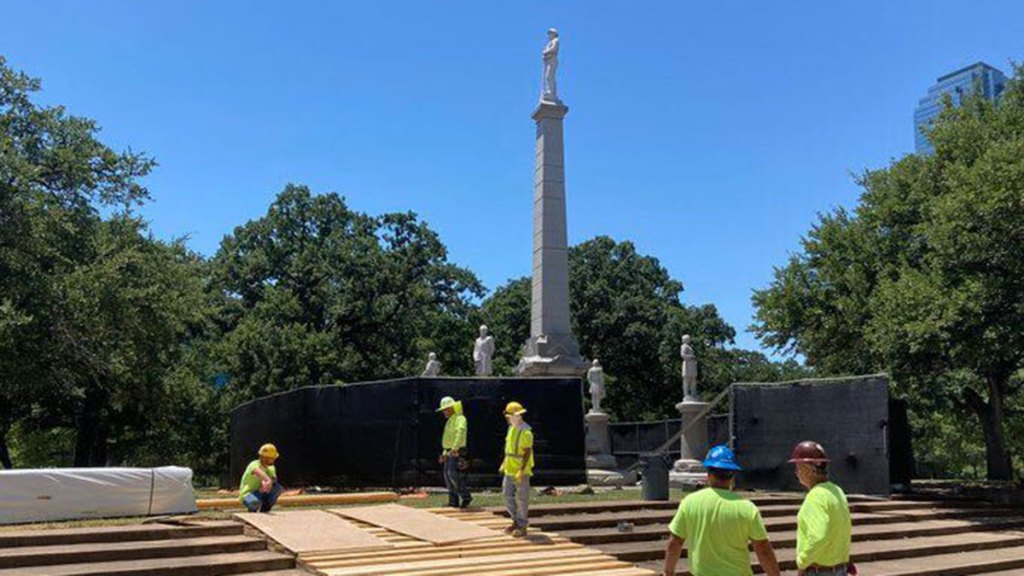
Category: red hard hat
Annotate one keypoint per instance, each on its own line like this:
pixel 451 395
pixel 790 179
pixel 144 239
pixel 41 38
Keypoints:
pixel 808 451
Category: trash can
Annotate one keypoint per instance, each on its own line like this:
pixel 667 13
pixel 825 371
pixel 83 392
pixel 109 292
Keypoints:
pixel 654 472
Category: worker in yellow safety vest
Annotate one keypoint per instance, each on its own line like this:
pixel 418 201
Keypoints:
pixel 517 467
pixel 453 459
pixel 717 525
pixel 260 489
pixel 824 525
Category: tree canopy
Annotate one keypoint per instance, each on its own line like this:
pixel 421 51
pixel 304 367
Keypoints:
pixel 924 278
pixel 626 311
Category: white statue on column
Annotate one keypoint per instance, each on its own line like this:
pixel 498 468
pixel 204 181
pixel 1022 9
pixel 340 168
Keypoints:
pixel 549 90
pixel 596 378
pixel 483 349
pixel 689 369
pixel 433 367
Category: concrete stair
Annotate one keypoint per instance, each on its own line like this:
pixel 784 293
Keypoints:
pixel 195 549
pixel 894 537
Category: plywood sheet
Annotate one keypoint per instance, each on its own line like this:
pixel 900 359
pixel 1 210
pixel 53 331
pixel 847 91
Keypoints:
pixel 309 531
pixel 418 524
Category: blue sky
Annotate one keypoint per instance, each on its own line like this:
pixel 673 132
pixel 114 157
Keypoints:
pixel 709 133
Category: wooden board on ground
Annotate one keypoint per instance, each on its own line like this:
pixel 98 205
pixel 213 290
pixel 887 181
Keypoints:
pixel 419 524
pixel 309 531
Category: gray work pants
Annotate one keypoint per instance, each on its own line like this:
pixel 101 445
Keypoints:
pixel 517 500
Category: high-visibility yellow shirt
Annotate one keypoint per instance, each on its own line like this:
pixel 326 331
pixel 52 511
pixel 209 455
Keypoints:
pixel 517 441
pixel 823 527
pixel 455 430
pixel 250 481
pixel 716 526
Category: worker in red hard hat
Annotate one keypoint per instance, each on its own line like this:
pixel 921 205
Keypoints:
pixel 823 523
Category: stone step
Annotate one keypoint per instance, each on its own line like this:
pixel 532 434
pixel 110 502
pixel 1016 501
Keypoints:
pixel 915 548
pixel 784 536
pixel 118 533
pixel 543 510
pixel 997 562
pixel 24 556
pixel 655 549
pixel 872 513
pixel 205 565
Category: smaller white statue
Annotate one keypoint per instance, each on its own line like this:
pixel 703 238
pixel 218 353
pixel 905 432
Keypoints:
pixel 433 367
pixel 689 369
pixel 549 89
pixel 596 378
pixel 483 349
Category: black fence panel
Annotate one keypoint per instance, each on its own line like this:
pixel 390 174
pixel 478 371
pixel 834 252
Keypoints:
pixel 388 433
pixel 849 416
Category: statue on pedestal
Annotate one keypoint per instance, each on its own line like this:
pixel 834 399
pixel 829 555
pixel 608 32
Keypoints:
pixel 483 349
pixel 433 367
pixel 549 90
pixel 689 369
pixel 596 378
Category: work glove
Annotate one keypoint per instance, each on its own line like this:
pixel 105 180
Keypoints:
pixel 519 477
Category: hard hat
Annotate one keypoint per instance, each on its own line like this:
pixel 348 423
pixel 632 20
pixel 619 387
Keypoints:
pixel 446 402
pixel 808 451
pixel 514 408
pixel 269 451
pixel 722 458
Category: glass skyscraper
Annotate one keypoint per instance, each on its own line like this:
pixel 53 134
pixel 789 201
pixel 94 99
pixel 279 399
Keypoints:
pixel 988 80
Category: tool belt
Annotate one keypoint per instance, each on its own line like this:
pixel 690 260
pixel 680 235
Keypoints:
pixel 462 459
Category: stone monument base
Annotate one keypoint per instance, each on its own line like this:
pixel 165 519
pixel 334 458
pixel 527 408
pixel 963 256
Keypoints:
pixel 552 355
pixel 686 480
pixel 596 477
pixel 688 465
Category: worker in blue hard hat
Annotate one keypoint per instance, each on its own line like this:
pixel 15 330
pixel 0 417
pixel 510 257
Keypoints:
pixel 717 524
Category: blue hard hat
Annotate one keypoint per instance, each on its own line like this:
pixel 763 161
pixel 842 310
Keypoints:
pixel 721 457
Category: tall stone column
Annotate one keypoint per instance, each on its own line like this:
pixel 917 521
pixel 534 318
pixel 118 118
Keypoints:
pixel 551 350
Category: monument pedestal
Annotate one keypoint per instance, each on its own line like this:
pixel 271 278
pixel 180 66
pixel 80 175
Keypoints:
pixel 688 471
pixel 601 465
pixel 552 355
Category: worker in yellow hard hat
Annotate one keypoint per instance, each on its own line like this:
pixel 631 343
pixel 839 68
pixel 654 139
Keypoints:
pixel 517 467
pixel 259 489
pixel 453 459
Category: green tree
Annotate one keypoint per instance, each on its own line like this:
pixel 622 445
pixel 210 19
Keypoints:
pixel 90 308
pixel 923 278
pixel 315 293
pixel 625 310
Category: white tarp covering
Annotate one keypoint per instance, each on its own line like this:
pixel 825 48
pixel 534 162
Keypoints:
pixel 72 493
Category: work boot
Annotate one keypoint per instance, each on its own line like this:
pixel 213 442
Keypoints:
pixel 519 532
pixel 510 529
pixel 466 502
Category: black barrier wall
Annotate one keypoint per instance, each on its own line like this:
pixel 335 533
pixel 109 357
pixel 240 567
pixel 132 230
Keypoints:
pixel 387 434
pixel 848 416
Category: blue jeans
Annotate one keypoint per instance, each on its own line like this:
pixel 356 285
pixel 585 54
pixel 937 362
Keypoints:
pixel 263 501
pixel 455 482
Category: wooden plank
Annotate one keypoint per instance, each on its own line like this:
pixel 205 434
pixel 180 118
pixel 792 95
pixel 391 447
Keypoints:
pixel 305 500
pixel 309 531
pixel 418 523
pixel 466 564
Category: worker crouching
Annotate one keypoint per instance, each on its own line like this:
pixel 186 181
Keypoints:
pixel 259 488
pixel 517 467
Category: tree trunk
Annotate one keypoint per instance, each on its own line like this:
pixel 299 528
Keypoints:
pixel 5 455
pixel 990 413
pixel 91 440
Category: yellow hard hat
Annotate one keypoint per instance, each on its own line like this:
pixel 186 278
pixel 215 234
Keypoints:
pixel 446 402
pixel 514 408
pixel 269 451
